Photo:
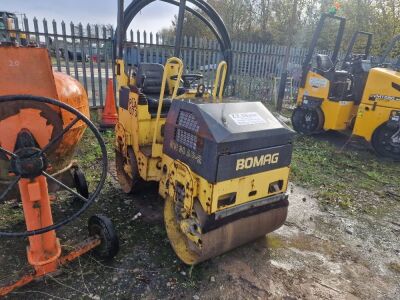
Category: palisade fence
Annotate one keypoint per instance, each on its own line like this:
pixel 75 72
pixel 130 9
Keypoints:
pixel 254 74
pixel 85 52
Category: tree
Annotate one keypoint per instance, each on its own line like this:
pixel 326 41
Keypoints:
pixel 267 21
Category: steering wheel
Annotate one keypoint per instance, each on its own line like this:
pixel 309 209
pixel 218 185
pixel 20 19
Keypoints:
pixel 30 162
pixel 201 89
pixel 188 79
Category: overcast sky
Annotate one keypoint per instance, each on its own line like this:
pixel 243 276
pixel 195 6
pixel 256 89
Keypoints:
pixel 154 17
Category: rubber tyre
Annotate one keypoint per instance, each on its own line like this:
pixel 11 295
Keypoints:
pixel 301 125
pixel 381 143
pixel 81 183
pixel 102 226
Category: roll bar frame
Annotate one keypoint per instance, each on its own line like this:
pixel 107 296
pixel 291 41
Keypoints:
pixel 214 23
pixel 316 36
pixel 367 48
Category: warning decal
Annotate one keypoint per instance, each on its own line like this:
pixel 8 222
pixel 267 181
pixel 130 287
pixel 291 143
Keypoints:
pixel 248 118
pixel 316 82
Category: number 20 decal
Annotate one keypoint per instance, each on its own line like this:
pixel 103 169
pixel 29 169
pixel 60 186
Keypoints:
pixel 13 63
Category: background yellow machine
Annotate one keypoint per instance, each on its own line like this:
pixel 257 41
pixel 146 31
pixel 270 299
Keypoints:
pixel 222 168
pixel 355 96
pixel 8 21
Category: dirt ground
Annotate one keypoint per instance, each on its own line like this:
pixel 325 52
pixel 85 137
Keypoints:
pixel 321 252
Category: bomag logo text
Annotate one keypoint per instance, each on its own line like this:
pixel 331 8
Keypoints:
pixel 256 161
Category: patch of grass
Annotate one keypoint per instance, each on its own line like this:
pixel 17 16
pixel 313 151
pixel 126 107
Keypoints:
pixel 341 177
pixel 89 153
pixel 10 214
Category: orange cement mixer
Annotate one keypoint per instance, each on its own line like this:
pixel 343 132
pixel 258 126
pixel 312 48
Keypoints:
pixel 43 116
pixel 27 70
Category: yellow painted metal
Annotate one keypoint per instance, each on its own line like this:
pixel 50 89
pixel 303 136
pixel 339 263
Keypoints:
pixel 379 99
pixel 178 171
pixel 174 66
pixel 192 245
pixel 192 94
pixel 313 90
pixel 376 109
pixel 219 82
pixel 380 82
pixel 137 126
pixel 175 235
pixel 140 127
pixel 338 114
pixel 369 119
pixel 137 129
pixel 122 77
pixel 208 194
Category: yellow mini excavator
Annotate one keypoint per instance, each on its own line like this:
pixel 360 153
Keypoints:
pixel 352 97
pixel 222 167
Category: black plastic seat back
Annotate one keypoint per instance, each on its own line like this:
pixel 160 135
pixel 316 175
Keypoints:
pixel 324 63
pixel 361 70
pixel 149 78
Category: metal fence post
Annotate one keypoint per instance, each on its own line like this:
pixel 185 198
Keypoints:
pixel 100 57
pixel 83 55
pixel 90 52
pixel 36 28
pixel 74 54
pixel 65 47
pixel 26 29
pixel 56 48
pixel 17 32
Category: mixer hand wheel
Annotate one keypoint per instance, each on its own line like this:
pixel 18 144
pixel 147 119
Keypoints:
pixel 30 162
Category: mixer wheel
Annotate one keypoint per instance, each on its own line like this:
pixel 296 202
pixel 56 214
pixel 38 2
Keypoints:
pixel 102 227
pixel 29 162
pixel 81 184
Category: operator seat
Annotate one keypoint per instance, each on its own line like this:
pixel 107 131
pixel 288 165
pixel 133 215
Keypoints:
pixel 149 80
pixel 360 70
pixel 324 64
pixel 338 78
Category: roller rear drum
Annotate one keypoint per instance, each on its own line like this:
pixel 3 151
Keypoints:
pixel 222 239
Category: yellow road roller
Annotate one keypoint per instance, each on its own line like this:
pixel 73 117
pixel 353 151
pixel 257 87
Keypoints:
pixel 222 165
pixel 354 97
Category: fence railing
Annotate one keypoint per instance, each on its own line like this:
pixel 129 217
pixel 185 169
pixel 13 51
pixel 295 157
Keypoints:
pixel 85 52
pixel 254 68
